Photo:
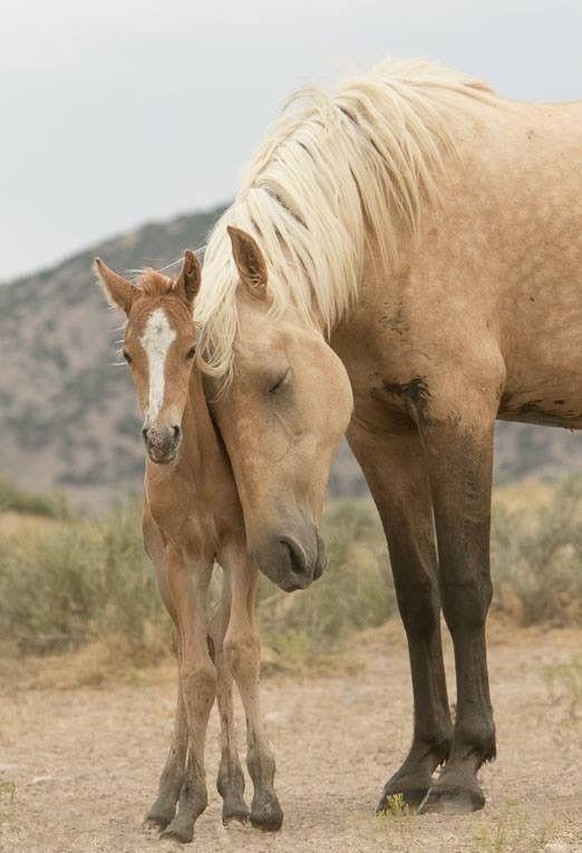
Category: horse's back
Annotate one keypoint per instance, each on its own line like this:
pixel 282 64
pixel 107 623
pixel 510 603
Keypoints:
pixel 514 220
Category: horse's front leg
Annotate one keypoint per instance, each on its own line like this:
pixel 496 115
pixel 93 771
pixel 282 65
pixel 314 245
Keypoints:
pixel 231 780
pixel 243 651
pixel 459 452
pixel 188 586
pixel 394 468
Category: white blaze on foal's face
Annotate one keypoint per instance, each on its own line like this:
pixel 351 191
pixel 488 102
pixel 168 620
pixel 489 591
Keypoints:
pixel 156 340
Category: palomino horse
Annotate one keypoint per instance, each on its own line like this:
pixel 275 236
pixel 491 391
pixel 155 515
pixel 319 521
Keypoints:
pixel 192 517
pixel 425 235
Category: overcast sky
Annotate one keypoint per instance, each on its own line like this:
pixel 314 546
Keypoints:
pixel 116 113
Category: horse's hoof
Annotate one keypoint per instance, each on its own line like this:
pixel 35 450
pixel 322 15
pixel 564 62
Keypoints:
pixel 452 800
pixel 393 801
pixel 267 815
pixel 178 831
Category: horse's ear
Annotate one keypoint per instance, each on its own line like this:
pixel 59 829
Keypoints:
pixel 249 261
pixel 188 282
pixel 118 291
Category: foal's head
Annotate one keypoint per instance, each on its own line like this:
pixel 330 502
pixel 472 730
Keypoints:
pixel 159 346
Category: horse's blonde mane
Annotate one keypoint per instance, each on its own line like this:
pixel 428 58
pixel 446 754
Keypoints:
pixel 338 174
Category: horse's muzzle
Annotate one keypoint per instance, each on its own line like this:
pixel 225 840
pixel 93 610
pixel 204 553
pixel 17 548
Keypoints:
pixel 162 443
pixel 292 562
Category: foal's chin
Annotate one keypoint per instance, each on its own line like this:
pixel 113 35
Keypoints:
pixel 163 457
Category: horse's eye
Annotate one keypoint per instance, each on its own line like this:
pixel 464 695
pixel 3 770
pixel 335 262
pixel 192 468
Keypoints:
pixel 280 382
pixel 191 353
pixel 127 356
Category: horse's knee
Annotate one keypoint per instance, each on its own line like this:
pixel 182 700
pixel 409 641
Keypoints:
pixel 466 602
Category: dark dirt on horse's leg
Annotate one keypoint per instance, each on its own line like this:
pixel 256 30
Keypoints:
pixel 460 456
pixel 394 469
pixel 231 781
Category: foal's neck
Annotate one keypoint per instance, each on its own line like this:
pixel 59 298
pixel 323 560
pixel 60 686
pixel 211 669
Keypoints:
pixel 202 444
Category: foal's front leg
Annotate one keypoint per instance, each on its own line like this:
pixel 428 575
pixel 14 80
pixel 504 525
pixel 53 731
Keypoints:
pixel 188 588
pixel 163 809
pixel 243 651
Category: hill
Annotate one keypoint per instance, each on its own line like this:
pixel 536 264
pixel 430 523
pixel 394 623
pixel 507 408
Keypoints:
pixel 68 417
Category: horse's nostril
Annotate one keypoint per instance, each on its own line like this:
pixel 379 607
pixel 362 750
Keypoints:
pixel 177 433
pixel 144 434
pixel 296 556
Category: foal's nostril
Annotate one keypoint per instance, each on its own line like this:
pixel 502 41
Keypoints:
pixel 144 434
pixel 177 433
pixel 297 556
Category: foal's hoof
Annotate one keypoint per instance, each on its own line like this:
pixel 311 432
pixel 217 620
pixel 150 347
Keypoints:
pixel 267 814
pixel 452 800
pixel 181 831
pixel 238 813
pixel 159 818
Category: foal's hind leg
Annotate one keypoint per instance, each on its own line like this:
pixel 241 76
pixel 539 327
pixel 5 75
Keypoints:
pixel 231 780
pixel 243 649
pixel 394 470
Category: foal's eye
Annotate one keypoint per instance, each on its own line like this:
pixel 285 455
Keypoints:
pixel 280 382
pixel 191 353
pixel 126 356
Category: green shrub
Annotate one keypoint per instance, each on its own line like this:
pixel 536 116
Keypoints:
pixel 15 499
pixel 537 557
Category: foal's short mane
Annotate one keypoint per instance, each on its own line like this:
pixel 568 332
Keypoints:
pixel 338 175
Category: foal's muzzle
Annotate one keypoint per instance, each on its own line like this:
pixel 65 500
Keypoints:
pixel 162 443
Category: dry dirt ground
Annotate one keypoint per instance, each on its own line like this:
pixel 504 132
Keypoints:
pixel 79 766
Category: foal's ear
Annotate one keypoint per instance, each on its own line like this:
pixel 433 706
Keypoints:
pixel 188 282
pixel 249 261
pixel 118 291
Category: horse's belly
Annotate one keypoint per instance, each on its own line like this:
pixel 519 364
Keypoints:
pixel 549 395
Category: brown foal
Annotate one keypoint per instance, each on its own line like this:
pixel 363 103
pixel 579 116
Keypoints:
pixel 192 518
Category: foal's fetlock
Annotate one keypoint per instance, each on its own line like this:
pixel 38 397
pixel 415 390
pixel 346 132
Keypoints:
pixel 193 801
pixel 160 814
pixel 231 785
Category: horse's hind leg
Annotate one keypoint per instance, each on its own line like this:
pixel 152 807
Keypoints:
pixel 188 590
pixel 394 470
pixel 231 780
pixel 243 650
